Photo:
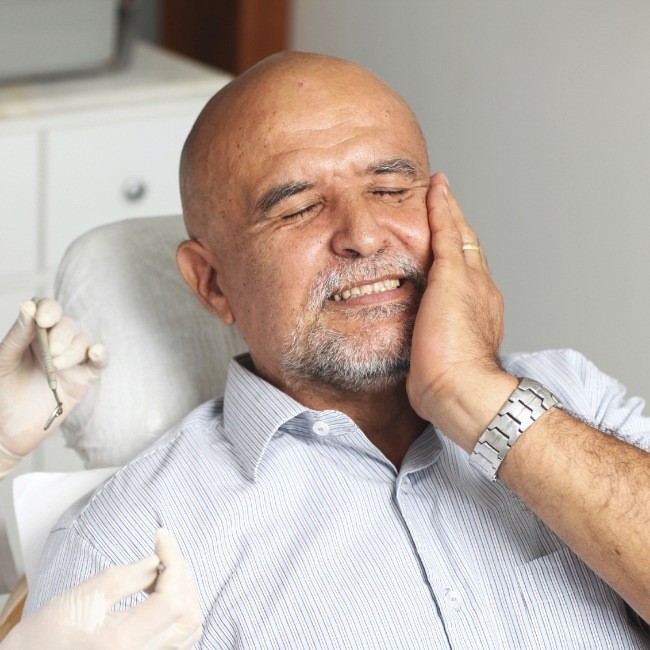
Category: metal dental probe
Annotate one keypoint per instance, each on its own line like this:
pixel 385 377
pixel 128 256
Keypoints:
pixel 46 358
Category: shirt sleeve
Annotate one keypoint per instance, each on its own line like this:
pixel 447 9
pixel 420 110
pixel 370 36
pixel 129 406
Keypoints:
pixel 67 560
pixel 586 391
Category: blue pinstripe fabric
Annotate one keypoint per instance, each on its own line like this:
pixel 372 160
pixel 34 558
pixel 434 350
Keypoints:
pixel 302 535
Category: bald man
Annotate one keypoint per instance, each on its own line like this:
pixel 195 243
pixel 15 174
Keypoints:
pixel 375 476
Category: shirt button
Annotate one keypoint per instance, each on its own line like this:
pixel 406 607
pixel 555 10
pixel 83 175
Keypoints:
pixel 453 599
pixel 406 485
pixel 321 428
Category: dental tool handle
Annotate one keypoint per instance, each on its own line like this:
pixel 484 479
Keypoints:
pixel 46 357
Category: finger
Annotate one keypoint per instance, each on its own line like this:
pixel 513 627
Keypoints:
pixel 75 354
pixel 446 239
pixel 158 622
pixel 97 356
pixel 171 614
pixel 473 257
pixel 61 335
pixel 18 338
pixel 48 313
pixel 83 374
pixel 118 582
pixel 176 573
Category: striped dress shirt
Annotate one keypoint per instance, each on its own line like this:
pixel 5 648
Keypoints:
pixel 301 534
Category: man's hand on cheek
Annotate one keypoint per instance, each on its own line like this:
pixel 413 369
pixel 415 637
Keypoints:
pixel 455 380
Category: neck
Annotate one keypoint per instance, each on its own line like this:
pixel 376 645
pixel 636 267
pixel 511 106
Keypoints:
pixel 385 416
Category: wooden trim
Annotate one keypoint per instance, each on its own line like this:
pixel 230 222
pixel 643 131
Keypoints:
pixel 262 30
pixel 228 34
pixel 13 609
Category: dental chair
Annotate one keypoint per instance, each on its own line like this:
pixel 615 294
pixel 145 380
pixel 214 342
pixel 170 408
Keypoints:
pixel 167 354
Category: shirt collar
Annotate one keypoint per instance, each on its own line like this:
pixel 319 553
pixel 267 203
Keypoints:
pixel 253 411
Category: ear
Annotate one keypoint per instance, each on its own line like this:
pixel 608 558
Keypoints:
pixel 200 269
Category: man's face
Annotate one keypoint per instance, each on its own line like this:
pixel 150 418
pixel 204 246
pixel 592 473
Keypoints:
pixel 324 245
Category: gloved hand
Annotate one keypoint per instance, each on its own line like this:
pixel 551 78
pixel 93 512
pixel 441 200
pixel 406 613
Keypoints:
pixel 26 400
pixel 80 619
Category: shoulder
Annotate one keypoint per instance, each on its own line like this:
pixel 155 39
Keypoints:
pixel 157 487
pixel 585 390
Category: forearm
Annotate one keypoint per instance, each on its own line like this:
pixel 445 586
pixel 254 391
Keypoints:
pixel 593 491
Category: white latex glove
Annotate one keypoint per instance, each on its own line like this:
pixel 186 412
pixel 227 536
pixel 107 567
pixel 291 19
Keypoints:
pixel 26 400
pixel 80 619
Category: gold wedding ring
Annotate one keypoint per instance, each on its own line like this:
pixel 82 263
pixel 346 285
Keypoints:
pixel 471 246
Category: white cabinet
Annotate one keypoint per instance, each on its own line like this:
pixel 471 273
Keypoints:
pixel 77 153
pixel 101 173
pixel 19 202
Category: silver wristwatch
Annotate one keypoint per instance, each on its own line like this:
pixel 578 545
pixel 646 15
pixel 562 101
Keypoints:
pixel 529 401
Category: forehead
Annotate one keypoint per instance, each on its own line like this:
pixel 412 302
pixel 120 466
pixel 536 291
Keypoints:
pixel 307 129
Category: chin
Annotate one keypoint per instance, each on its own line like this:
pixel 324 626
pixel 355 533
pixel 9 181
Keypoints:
pixel 373 359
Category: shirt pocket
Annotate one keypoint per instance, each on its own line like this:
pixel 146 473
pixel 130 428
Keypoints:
pixel 566 605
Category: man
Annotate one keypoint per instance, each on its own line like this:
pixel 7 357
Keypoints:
pixel 315 503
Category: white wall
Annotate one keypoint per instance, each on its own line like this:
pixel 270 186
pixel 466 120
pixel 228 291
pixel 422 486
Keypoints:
pixel 539 113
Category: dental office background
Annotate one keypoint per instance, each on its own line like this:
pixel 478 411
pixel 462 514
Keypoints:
pixel 539 113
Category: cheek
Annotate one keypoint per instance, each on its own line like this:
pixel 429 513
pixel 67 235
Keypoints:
pixel 415 233
pixel 277 281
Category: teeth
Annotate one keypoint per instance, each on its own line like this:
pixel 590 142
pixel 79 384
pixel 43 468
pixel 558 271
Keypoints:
pixel 367 289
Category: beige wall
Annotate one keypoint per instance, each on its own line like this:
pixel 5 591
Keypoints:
pixel 539 112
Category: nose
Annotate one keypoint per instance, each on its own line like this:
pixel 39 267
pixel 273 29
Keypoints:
pixel 359 232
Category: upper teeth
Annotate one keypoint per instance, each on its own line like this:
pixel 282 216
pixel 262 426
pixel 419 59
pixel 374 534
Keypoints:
pixel 365 289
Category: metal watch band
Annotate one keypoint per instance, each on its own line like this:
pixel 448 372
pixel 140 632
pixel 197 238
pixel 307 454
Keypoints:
pixel 529 401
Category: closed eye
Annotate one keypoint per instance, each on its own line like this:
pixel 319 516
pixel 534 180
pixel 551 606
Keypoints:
pixel 389 192
pixel 391 196
pixel 305 212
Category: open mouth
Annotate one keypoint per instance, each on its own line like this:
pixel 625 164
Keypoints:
pixel 367 289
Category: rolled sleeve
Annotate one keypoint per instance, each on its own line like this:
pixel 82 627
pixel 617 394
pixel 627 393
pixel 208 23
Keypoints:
pixel 586 391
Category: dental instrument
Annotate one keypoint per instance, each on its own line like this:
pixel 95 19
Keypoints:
pixel 46 358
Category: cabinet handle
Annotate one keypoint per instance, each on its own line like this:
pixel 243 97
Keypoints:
pixel 133 189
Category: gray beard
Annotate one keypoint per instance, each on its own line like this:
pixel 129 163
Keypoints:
pixel 372 359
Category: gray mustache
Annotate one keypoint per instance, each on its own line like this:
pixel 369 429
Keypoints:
pixel 352 272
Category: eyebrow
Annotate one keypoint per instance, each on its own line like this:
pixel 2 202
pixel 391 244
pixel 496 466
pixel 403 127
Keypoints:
pixel 402 166
pixel 279 193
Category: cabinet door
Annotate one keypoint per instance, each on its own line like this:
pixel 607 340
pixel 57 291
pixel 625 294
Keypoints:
pixel 101 173
pixel 18 204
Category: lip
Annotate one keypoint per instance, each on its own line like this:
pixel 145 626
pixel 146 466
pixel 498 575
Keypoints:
pixel 373 298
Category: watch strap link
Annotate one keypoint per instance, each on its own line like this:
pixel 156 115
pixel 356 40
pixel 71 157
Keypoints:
pixel 529 401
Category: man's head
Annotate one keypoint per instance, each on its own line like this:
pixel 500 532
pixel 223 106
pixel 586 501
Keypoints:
pixel 304 184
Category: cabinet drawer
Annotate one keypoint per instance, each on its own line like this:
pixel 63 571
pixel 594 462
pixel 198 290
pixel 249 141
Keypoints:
pixel 98 174
pixel 18 203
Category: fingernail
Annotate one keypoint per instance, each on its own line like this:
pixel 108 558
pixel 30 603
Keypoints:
pixel 97 352
pixel 28 307
pixel 162 532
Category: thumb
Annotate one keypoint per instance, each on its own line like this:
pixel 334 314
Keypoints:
pixel 18 338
